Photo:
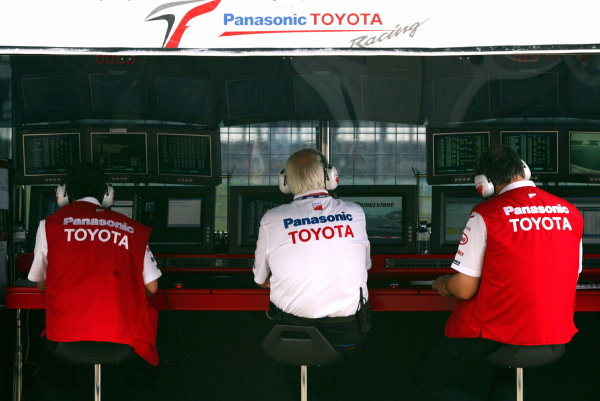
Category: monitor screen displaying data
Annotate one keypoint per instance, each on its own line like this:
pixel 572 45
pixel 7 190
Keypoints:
pixel 452 156
pixel 539 149
pixel 50 154
pixel 183 154
pixel 120 153
pixel 247 206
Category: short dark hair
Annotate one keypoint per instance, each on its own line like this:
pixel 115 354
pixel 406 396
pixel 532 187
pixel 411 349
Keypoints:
pixel 500 164
pixel 86 179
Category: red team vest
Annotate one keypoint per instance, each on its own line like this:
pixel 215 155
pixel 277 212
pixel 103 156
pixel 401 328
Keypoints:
pixel 527 291
pixel 94 285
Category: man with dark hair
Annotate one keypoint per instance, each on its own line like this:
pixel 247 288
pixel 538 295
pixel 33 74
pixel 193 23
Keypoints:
pixel 96 268
pixel 314 253
pixel 510 285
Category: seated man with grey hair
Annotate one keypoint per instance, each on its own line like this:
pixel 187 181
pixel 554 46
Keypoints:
pixel 313 254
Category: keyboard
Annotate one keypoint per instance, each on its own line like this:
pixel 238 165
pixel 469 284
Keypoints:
pixel 203 263
pixel 415 263
pixel 588 286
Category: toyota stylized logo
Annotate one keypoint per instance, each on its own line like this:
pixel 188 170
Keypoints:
pixel 177 17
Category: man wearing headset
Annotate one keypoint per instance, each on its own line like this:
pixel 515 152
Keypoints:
pixel 95 268
pixel 516 267
pixel 313 254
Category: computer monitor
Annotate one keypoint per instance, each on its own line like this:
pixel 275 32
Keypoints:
pixel 46 157
pixel 42 203
pixel 450 210
pixel 123 155
pixel 584 156
pixel 246 207
pixel 587 200
pixel 539 149
pixel 391 213
pixel 182 218
pixel 452 155
pixel 188 158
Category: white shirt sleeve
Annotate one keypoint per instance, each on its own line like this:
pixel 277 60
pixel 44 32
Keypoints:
pixel 37 272
pixel 261 268
pixel 580 255
pixel 471 250
pixel 151 271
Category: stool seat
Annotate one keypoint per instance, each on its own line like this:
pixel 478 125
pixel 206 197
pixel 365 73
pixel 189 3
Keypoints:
pixel 526 356
pixel 299 345
pixel 93 352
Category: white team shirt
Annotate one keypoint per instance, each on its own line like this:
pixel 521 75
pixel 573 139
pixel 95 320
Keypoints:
pixel 470 255
pixel 39 266
pixel 317 252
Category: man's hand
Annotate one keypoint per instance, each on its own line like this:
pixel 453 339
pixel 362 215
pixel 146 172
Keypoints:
pixel 441 285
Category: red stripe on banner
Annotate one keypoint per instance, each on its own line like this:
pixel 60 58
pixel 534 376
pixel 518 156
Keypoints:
pixel 194 12
pixel 237 33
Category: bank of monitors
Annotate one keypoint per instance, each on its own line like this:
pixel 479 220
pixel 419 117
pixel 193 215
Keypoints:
pixel 452 154
pixel 587 200
pixel 46 157
pixel 451 207
pixel 182 218
pixel 539 149
pixel 123 155
pixel 247 205
pixel 391 213
pixel 187 157
pixel 584 156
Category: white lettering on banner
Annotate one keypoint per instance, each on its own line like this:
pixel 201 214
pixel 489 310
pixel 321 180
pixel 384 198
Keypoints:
pixel 104 235
pixel 537 223
pixel 327 232
pixel 98 222
pixel 508 210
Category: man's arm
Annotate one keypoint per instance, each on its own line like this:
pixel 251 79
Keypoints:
pixel 151 273
pixel 266 284
pixel 458 285
pixel 262 273
pixel 37 271
pixel 151 287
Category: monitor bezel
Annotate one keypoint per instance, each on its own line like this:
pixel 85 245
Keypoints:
pixel 235 204
pixel 438 244
pixel 590 178
pixel 121 177
pixel 540 176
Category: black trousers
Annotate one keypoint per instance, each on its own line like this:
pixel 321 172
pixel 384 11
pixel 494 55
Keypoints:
pixel 456 369
pixel 346 337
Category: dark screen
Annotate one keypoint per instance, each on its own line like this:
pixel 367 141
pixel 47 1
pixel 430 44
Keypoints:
pixel 457 153
pixel 50 154
pixel 119 93
pixel 56 94
pixel 184 154
pixel 456 213
pixel 253 209
pixel 186 97
pixel 539 149
pixel 120 153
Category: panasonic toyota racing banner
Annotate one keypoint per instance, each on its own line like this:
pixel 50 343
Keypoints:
pixel 296 25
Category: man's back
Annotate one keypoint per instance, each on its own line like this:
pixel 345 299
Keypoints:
pixel 318 252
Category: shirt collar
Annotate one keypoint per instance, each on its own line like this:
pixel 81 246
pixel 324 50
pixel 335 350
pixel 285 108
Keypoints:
pixel 313 192
pixel 89 199
pixel 518 184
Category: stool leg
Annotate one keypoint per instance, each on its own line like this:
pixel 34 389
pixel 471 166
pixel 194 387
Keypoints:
pixel 303 383
pixel 97 381
pixel 519 384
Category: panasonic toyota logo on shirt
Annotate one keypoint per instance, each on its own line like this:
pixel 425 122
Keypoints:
pixel 98 234
pixel 319 233
pixel 538 223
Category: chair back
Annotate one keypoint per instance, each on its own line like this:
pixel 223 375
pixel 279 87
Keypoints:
pixel 526 356
pixel 299 345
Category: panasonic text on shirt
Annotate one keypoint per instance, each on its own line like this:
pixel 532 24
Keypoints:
pixel 537 223
pixel 98 222
pixel 287 222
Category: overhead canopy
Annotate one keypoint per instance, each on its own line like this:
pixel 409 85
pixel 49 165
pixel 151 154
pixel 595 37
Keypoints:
pixel 295 27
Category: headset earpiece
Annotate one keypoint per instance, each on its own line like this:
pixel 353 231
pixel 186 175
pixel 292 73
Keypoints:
pixel 484 186
pixel 62 199
pixel 331 177
pixel 526 170
pixel 109 196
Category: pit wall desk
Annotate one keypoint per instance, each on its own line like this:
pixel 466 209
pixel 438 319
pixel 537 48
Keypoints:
pixel 390 273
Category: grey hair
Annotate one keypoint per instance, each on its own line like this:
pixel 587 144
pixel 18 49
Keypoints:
pixel 305 172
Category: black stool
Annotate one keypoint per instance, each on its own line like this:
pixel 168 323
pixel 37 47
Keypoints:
pixel 299 345
pixel 93 353
pixel 525 356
